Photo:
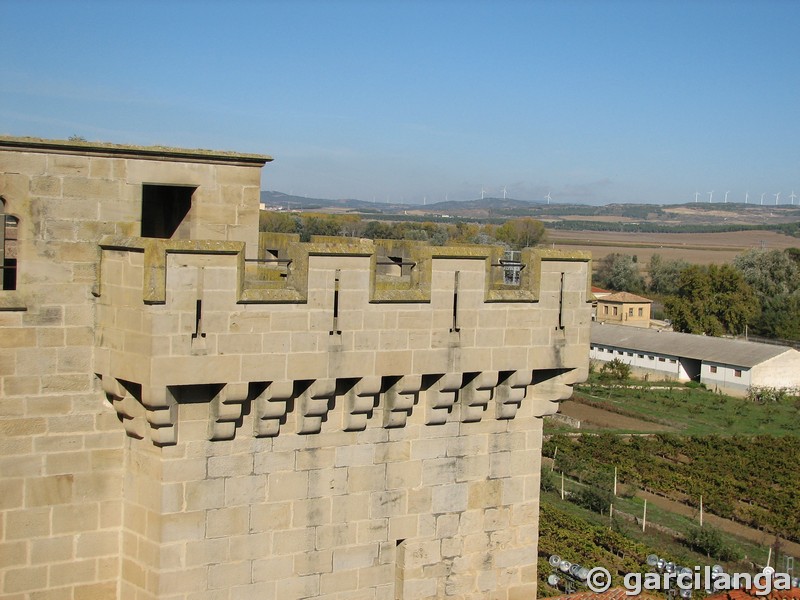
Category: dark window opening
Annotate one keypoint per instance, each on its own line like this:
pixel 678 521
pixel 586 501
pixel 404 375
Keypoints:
pixel 164 207
pixel 713 369
pixel 8 249
pixel 737 373
pixel 9 273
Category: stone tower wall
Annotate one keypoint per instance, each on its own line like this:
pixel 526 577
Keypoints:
pixel 62 448
pixel 347 420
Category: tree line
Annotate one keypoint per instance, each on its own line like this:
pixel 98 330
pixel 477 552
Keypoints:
pixel 759 291
pixel 792 229
pixel 514 233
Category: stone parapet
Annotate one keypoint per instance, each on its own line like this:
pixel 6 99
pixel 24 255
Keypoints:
pixel 330 330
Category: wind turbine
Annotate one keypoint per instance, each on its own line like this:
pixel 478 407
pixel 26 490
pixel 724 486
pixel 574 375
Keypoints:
pixel 696 196
pixel 792 196
pixel 746 197
pixel 482 192
pixel 504 192
pixel 726 196
pixel 777 197
pixel 547 197
pixel 710 196
pixel 762 199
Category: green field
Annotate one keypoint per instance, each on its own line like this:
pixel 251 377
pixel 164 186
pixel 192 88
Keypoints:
pixel 691 410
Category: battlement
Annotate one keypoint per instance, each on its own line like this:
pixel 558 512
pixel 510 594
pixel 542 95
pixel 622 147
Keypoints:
pixel 324 325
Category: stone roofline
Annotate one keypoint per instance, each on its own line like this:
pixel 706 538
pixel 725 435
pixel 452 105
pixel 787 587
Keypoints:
pixel 164 153
pixel 624 298
pixel 264 283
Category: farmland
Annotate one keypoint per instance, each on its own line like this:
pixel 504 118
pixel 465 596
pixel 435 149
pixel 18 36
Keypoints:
pixel 697 248
pixel 671 444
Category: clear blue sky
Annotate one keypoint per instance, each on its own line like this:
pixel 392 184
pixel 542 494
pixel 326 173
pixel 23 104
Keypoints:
pixel 594 101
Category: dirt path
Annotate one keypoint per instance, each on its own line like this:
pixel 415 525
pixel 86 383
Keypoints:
pixel 597 417
pixel 748 533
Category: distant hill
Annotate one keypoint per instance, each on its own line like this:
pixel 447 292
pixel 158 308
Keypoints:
pixel 487 204
pixel 486 207
pixel 288 201
pixel 560 216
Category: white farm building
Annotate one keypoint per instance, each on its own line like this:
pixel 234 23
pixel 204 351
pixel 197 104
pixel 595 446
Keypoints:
pixel 729 365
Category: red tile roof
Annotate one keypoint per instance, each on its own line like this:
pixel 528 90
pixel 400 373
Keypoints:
pixel 792 594
pixel 620 593
pixel 625 297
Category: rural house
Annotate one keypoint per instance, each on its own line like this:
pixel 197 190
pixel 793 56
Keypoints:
pixel 623 308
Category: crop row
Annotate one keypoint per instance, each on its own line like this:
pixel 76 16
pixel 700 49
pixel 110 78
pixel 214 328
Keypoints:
pixel 751 480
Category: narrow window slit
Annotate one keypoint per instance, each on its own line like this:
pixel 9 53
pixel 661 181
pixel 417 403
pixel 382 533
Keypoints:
pixel 336 329
pixel 198 320
pixel 455 328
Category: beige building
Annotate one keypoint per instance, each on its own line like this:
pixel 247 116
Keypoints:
pixel 731 366
pixel 624 308
pixel 191 411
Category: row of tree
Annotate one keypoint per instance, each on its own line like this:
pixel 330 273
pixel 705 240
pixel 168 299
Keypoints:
pixel 759 290
pixel 514 233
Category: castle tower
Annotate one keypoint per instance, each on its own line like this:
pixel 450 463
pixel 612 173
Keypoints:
pixel 191 410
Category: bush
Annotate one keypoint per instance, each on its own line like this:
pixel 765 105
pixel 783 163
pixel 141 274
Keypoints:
pixel 708 540
pixel 547 482
pixel 591 498
pixel 769 395
pixel 616 370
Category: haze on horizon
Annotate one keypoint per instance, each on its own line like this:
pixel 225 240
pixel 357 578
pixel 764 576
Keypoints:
pixel 595 102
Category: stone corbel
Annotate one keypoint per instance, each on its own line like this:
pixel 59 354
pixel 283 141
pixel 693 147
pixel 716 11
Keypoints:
pixel 476 395
pixel 360 402
pixel 226 410
pixel 162 414
pixel 126 407
pixel 271 407
pixel 440 397
pixel 510 392
pixel 400 398
pixel 314 404
pixel 551 386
